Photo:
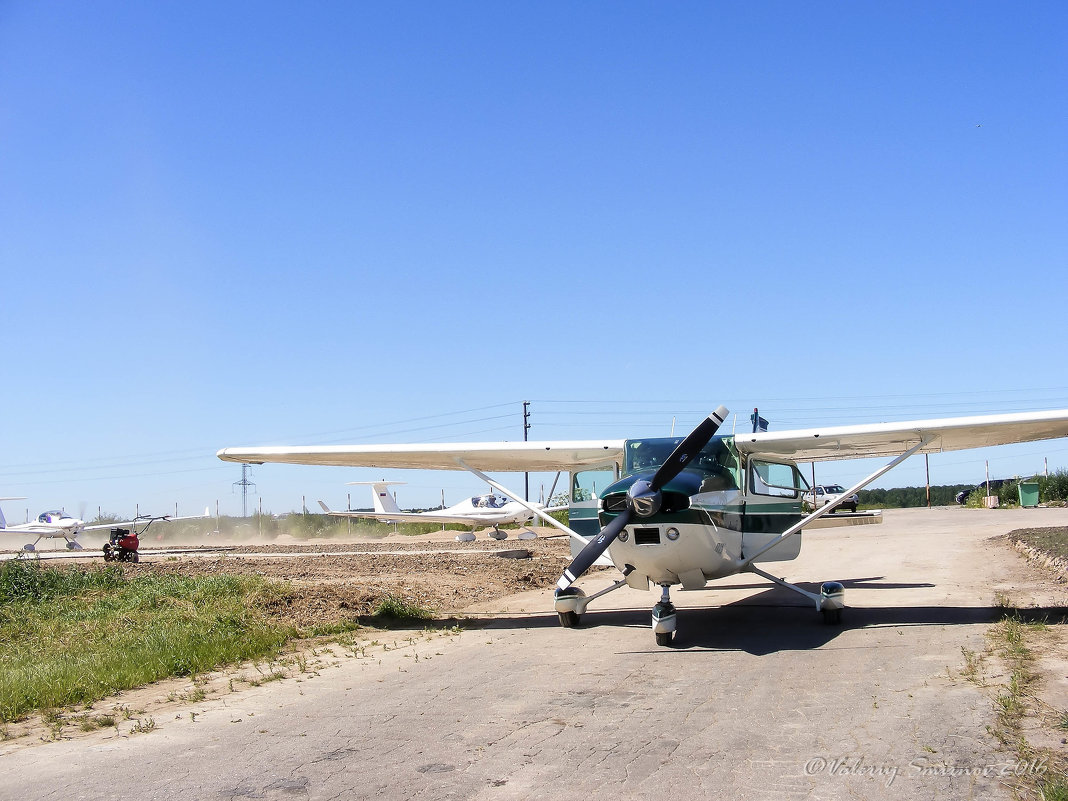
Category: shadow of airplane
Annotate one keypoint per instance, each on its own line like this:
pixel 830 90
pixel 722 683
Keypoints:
pixel 777 620
pixel 871 582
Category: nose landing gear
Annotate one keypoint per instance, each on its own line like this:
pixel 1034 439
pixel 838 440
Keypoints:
pixel 664 617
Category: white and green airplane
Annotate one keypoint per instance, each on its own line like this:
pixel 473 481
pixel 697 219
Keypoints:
pixel 685 510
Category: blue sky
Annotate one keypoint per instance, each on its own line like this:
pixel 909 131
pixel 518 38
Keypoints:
pixel 231 224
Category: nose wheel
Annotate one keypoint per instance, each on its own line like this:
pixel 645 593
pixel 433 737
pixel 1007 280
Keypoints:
pixel 664 618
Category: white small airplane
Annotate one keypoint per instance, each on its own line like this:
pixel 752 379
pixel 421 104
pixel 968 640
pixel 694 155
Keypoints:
pixel 56 524
pixel 489 509
pixel 673 510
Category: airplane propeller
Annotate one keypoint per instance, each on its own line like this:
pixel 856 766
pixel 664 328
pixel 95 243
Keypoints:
pixel 643 496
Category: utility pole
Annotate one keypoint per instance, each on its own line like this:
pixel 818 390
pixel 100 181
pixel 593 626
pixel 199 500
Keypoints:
pixel 244 483
pixel 526 428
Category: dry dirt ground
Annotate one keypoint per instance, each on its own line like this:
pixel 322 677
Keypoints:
pixel 330 582
pixel 334 581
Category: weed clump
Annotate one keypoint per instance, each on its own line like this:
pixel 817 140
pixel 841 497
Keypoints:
pixel 76 636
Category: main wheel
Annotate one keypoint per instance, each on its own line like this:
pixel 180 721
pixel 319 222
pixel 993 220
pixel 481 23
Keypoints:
pixel 664 638
pixel 832 617
pixel 568 619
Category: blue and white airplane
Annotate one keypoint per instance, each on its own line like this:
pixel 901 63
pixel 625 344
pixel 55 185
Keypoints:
pixel 479 510
pixel 55 524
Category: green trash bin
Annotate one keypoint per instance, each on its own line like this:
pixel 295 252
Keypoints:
pixel 1028 493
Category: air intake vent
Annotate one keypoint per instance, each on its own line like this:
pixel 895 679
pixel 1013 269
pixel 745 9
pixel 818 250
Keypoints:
pixel 616 502
pixel 646 536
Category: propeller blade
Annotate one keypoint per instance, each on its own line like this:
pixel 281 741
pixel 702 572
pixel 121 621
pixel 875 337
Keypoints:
pixel 594 548
pixel 689 448
pixel 644 493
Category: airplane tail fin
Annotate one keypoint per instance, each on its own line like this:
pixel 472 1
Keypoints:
pixel 3 520
pixel 383 499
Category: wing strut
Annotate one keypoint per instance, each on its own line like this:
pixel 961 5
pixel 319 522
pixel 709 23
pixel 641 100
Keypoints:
pixel 552 521
pixel 796 527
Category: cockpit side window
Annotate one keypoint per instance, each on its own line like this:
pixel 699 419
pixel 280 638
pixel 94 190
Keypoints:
pixel 773 478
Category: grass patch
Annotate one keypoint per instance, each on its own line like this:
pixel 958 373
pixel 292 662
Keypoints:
pixel 1056 790
pixel 1051 541
pixel 1010 638
pixel 74 636
pixel 393 607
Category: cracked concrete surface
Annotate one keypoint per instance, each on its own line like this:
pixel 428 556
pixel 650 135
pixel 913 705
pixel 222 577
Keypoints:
pixel 758 699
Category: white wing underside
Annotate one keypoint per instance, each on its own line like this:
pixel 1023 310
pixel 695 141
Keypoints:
pixel 36 532
pixel 806 445
pixel 491 457
pixel 891 439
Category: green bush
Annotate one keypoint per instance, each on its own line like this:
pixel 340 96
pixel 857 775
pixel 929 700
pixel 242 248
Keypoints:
pixel 976 499
pixel 1009 493
pixel 1053 487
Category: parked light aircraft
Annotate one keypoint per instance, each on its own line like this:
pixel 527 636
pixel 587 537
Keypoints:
pixel 670 511
pixel 490 509
pixel 56 524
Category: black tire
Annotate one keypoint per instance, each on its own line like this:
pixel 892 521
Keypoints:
pixel 664 638
pixel 852 507
pixel 832 617
pixel 568 619
pixel 134 557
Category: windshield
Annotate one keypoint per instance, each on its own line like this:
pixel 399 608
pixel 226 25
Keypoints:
pixel 715 460
pixel 835 488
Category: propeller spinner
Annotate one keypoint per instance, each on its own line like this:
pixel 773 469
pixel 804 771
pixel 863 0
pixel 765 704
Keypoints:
pixel 643 496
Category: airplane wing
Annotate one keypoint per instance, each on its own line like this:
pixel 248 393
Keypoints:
pixel 137 521
pixel 891 439
pixel 23 530
pixel 413 517
pixel 490 457
pixel 803 445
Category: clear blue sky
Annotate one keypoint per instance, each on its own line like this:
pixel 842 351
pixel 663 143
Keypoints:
pixel 253 223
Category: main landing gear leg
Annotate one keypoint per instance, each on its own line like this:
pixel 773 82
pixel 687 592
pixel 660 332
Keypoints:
pixel 664 617
pixel 829 603
pixel 572 602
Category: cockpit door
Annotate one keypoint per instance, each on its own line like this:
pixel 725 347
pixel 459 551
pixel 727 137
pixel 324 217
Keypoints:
pixel 773 493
